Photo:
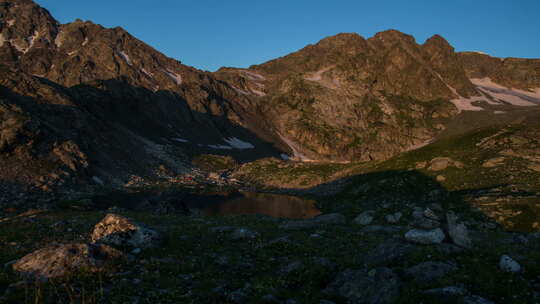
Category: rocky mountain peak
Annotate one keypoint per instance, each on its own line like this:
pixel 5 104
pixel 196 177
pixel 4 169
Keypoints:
pixel 24 25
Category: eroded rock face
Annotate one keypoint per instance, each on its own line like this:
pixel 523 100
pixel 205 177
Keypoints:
pixel 62 260
pixel 118 231
pixel 378 286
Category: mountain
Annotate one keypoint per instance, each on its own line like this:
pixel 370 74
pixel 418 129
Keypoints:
pixel 119 104
pixel 348 98
pixel 83 102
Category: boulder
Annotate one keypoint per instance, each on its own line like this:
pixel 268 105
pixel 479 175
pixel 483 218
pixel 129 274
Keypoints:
pixel 458 231
pixel 420 220
pixel 119 231
pixel 427 272
pixel 62 260
pixel 426 237
pixel 365 218
pixel 507 264
pixel 377 286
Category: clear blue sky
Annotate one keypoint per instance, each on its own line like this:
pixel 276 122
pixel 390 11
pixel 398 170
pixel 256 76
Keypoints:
pixel 208 34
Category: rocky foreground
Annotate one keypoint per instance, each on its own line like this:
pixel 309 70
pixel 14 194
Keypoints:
pixel 423 252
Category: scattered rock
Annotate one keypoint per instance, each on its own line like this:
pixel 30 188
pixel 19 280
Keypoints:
pixel 476 300
pixel 378 286
pixel 388 252
pixel 448 291
pixel 394 218
pixel 507 264
pixel 116 230
pixel 365 218
pixel 61 260
pixel 430 271
pixel 243 234
pixel 440 178
pixel 221 229
pixel 439 163
pixel 325 219
pixel 420 220
pixel 330 219
pixel 458 232
pixel 379 228
pixel 494 162
pixel 534 167
pixel 427 237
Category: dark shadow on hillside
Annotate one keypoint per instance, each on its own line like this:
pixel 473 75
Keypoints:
pixel 124 129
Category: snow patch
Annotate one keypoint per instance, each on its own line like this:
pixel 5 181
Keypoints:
pixel 254 76
pixel 296 154
pixel 2 39
pixel 125 57
pixel 463 103
pixel 175 77
pixel 240 90
pixel 178 139
pixel 239 144
pixel 149 74
pixel 512 96
pixel 72 53
pixel 11 22
pixel 317 76
pixel 499 112
pixel 258 93
pixel 85 42
pixel 479 52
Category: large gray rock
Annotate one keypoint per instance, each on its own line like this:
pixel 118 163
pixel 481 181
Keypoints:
pixel 119 231
pixel 507 264
pixel 458 231
pixel 430 271
pixel 377 286
pixel 365 218
pixel 426 237
pixel 61 260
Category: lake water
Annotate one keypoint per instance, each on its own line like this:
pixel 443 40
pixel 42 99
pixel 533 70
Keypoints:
pixel 275 205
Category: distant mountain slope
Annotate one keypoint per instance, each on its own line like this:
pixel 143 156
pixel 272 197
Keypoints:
pixel 350 98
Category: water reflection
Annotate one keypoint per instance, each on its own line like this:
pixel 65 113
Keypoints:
pixel 263 203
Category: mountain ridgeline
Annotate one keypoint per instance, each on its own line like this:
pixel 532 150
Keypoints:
pixel 82 101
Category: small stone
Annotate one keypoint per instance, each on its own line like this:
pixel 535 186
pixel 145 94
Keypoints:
pixel 476 300
pixel 243 234
pixel 447 291
pixel 364 218
pixel 426 237
pixel 507 264
pixel 394 218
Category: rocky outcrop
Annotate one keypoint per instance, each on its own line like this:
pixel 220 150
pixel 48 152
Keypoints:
pixel 118 231
pixel 62 260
